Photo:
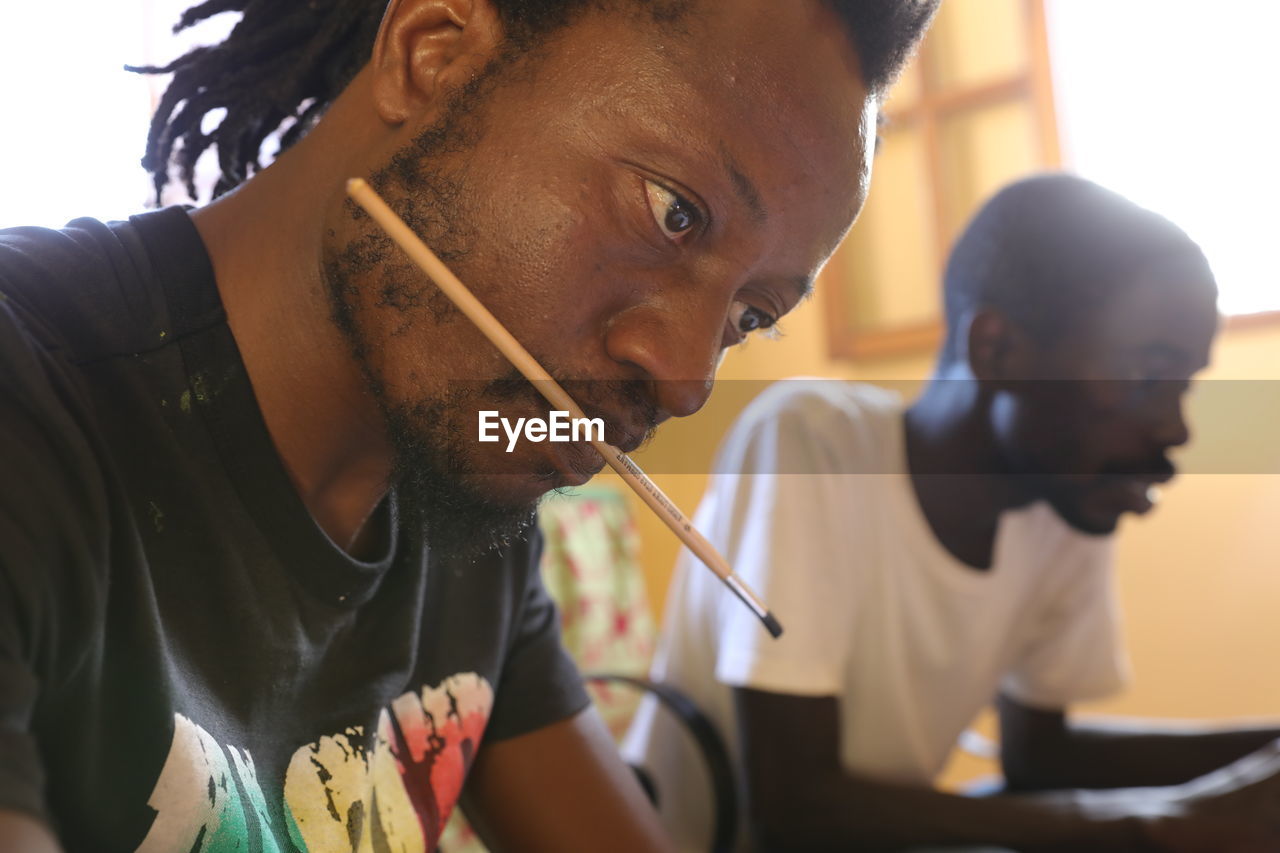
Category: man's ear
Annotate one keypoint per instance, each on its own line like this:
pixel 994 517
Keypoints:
pixel 997 350
pixel 426 48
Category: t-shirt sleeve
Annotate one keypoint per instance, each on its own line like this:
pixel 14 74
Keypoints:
pixel 783 521
pixel 1075 650
pixel 43 466
pixel 539 685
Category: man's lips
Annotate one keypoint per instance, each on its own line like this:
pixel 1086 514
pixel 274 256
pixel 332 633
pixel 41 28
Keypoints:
pixel 1152 471
pixel 1136 493
pixel 576 463
pixel 630 442
pixel 1141 495
pixel 626 434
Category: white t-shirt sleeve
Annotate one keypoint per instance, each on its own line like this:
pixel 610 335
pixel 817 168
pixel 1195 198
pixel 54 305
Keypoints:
pixel 783 524
pixel 1074 649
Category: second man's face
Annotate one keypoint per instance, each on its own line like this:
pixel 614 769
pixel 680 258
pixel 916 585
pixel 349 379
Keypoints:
pixel 1098 435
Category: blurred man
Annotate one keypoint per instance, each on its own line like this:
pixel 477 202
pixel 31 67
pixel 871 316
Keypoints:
pixel 932 559
pixel 240 491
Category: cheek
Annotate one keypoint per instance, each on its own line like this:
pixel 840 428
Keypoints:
pixel 554 278
pixel 1042 436
pixel 440 363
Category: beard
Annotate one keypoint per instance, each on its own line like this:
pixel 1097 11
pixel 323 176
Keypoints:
pixel 1090 505
pixel 434 483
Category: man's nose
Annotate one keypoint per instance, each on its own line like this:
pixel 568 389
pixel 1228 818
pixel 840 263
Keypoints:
pixel 676 355
pixel 1170 427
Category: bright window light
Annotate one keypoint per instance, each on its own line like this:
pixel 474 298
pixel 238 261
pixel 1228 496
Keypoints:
pixel 75 122
pixel 1168 102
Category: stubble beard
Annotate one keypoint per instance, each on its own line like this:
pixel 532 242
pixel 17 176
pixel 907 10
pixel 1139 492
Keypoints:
pixel 435 484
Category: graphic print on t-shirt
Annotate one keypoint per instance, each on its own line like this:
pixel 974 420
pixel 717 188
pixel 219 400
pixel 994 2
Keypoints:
pixel 345 791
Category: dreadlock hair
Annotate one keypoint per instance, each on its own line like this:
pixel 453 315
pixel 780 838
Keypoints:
pixel 1048 250
pixel 285 61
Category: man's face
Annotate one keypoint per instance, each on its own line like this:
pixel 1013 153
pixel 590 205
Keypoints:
pixel 629 201
pixel 1094 438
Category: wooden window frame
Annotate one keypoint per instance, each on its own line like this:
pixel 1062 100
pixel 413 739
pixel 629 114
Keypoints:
pixel 1034 85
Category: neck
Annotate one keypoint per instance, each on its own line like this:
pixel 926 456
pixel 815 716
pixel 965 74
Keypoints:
pixel 956 471
pixel 265 243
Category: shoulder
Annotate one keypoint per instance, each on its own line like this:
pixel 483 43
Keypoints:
pixel 821 425
pixel 46 415
pixel 54 505
pixel 41 394
pixel 86 289
pixel 54 491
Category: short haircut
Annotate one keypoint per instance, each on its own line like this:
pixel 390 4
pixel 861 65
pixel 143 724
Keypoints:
pixel 287 60
pixel 1047 250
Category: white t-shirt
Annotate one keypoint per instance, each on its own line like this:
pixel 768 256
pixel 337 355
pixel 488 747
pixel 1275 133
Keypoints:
pixel 822 521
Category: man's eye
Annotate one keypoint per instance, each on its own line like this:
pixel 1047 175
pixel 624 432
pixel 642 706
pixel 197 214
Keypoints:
pixel 746 319
pixel 676 216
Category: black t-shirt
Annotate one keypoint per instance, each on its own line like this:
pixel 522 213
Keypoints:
pixel 187 662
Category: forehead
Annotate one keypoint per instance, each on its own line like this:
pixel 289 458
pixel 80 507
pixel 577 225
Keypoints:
pixel 1166 312
pixel 771 90
pixel 789 71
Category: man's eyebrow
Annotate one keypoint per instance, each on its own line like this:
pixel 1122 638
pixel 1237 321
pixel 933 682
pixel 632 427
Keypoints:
pixel 747 192
pixel 802 285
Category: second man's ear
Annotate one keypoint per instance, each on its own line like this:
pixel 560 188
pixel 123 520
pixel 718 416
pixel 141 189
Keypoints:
pixel 426 48
pixel 997 349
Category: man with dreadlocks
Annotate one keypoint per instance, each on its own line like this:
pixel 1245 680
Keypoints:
pixel 260 586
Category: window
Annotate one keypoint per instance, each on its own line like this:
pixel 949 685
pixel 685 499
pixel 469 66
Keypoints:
pixel 971 113
pixel 1160 100
pixel 1163 101
pixel 75 120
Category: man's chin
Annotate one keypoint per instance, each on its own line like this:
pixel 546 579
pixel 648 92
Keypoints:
pixel 1091 521
pixel 484 512
pixel 474 498
pixel 1099 508
pixel 531 471
pixel 515 491
pixel 466 530
pixel 1096 525
pixel 466 516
